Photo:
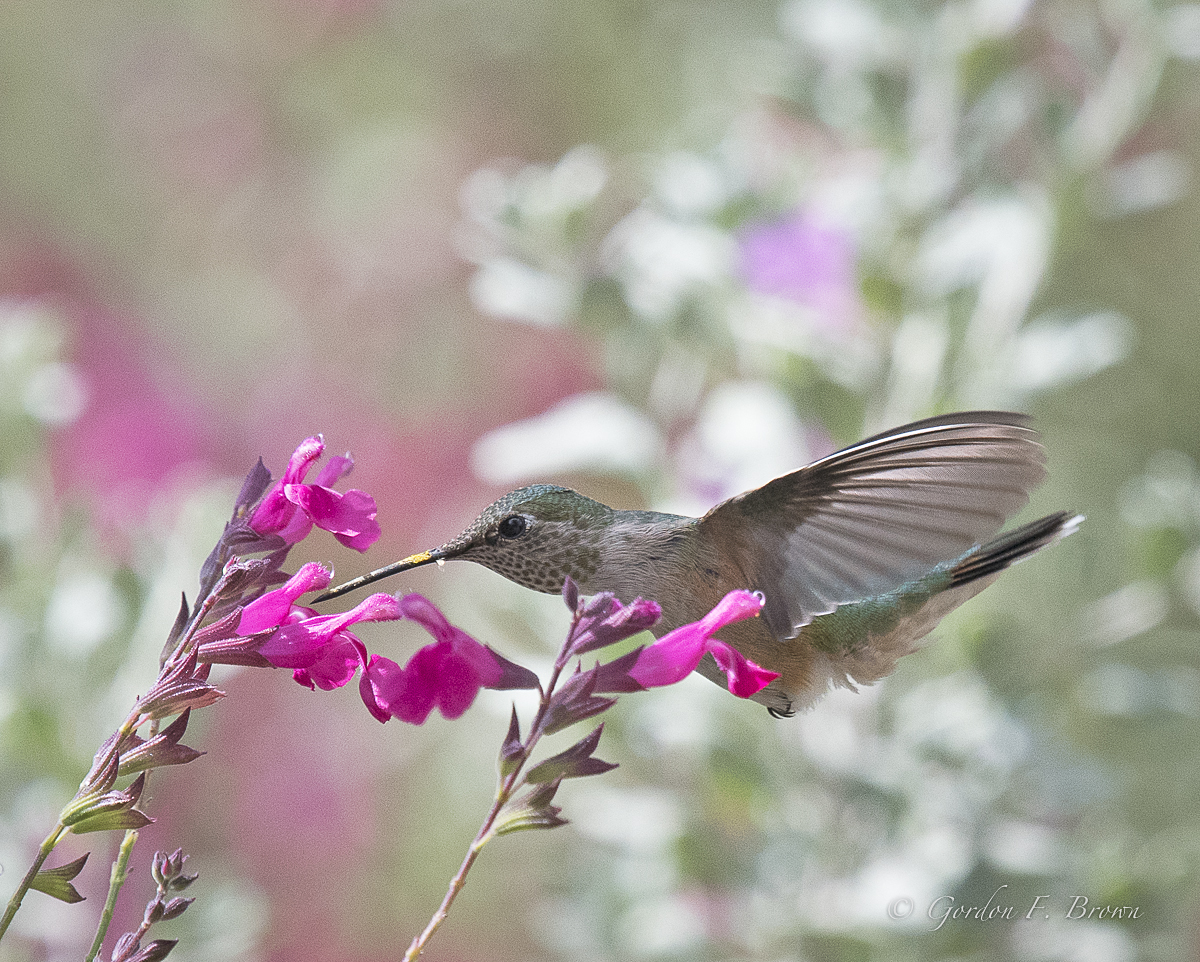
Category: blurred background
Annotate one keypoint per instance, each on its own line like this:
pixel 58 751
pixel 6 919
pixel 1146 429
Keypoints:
pixel 660 253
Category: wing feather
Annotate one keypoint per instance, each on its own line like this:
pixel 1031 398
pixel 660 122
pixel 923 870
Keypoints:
pixel 881 513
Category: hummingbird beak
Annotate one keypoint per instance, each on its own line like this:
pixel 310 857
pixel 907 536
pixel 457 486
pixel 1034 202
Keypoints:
pixel 404 564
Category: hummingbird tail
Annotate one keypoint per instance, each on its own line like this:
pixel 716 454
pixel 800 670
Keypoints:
pixel 1014 546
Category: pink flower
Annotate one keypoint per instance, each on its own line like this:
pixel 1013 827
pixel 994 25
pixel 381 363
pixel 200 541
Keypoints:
pixel 446 675
pixel 320 649
pixel 291 507
pixel 269 610
pixel 676 654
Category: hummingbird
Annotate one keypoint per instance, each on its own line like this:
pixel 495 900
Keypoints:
pixel 858 556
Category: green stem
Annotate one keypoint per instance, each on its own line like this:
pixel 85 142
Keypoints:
pixel 115 880
pixel 503 793
pixel 44 851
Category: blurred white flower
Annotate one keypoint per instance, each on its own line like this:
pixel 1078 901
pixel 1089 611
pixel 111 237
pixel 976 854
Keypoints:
pixel 690 185
pixel 1049 352
pixel 746 434
pixel 661 261
pixel 1025 847
pixel 587 432
pixel 513 291
pixel 84 610
pixel 1125 613
pixel 1143 183
pixel 55 393
pixel 847 34
pixel 1181 30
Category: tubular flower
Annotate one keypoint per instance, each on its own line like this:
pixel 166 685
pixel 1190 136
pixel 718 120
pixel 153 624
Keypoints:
pixel 676 654
pixel 292 507
pixel 446 675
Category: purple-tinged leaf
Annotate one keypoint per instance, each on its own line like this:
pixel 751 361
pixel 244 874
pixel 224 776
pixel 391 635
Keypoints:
pixel 109 821
pixel 162 749
pixel 620 623
pixel 89 804
pixel 512 752
pixel 253 488
pixel 181 882
pixel 520 821
pixel 575 762
pixel 181 621
pixel 532 811
pixel 175 908
pixel 575 701
pixel 126 945
pixel 180 687
pixel 103 773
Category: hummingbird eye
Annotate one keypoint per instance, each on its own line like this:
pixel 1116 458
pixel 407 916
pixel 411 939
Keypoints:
pixel 513 526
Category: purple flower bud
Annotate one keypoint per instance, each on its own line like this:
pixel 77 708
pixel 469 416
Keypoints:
pixel 570 594
pixel 612 622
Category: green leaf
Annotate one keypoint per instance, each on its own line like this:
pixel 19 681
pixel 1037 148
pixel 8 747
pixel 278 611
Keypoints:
pixel 107 821
pixel 526 819
pixel 56 882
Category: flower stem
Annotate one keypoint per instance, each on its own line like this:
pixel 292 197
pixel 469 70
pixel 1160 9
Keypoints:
pixel 115 880
pixel 504 793
pixel 44 851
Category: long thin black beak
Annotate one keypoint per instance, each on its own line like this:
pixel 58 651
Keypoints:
pixel 404 564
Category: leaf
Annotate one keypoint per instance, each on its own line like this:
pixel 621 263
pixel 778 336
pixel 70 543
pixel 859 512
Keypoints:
pixel 56 882
pixel 93 812
pixel 570 593
pixel 575 762
pixel 162 749
pixel 175 908
pixel 108 821
pixel 613 622
pixel 521 821
pixel 532 811
pixel 574 702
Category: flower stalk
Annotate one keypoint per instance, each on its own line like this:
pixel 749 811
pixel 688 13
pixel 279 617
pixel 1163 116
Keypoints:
pixel 596 623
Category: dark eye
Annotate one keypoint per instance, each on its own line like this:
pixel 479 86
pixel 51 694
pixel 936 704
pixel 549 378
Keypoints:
pixel 513 526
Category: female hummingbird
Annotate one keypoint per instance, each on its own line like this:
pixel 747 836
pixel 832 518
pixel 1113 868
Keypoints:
pixel 859 555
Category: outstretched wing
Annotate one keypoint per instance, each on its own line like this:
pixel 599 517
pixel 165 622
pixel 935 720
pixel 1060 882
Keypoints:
pixel 879 514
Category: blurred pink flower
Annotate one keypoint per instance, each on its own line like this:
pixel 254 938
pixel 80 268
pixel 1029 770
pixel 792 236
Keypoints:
pixel 446 675
pixel 677 653
pixel 291 508
pixel 805 261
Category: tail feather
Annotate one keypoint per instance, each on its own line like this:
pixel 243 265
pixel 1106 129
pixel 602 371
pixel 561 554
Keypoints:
pixel 1013 546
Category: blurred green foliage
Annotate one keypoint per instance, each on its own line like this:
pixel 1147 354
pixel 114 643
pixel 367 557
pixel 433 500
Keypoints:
pixel 268 194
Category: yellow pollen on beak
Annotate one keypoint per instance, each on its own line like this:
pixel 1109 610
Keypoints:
pixel 416 559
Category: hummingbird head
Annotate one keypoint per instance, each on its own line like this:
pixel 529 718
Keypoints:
pixel 535 536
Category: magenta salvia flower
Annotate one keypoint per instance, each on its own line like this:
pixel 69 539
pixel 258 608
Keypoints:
pixel 677 653
pixel 270 609
pixel 291 507
pixel 446 675
pixel 304 638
